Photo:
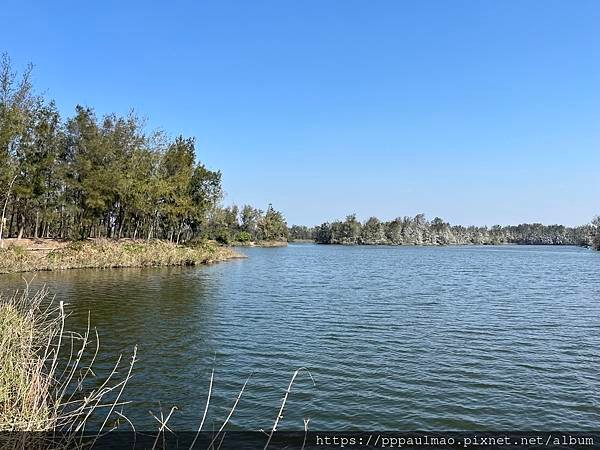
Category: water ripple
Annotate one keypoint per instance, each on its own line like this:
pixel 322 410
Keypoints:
pixel 455 338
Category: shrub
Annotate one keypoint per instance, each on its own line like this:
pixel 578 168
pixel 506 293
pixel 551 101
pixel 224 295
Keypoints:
pixel 243 236
pixel 223 237
pixel 76 246
pixel 18 250
pixel 197 242
pixel 133 248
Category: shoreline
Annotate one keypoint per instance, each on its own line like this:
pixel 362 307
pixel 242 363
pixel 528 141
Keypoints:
pixel 41 255
pixel 260 244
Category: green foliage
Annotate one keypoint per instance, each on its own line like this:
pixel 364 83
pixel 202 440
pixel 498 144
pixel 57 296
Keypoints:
pixel 243 236
pixel 133 248
pixel 18 250
pixel 90 176
pixel 301 232
pixel 272 226
pixel 223 237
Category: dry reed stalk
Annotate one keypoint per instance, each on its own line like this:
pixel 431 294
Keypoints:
pixel 35 394
pixel 284 401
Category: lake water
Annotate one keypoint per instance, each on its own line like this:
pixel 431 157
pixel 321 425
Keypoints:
pixel 398 338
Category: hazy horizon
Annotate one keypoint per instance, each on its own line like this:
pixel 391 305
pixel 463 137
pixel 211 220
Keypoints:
pixel 479 113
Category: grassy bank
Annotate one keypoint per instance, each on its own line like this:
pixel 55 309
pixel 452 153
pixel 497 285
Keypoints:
pixel 103 253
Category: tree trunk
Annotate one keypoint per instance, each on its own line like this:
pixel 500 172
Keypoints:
pixel 179 231
pixel 120 229
pixel 37 224
pixel 12 219
pixel 149 231
pixel 21 226
pixel 3 219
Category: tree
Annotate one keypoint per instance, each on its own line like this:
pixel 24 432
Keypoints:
pixel 350 230
pixel 272 226
pixel 596 233
pixel 323 234
pixel 37 161
pixel 393 231
pixel 3 218
pixel 249 218
pixel 16 99
pixel 440 232
pixel 301 232
pixel 206 193
pixel 373 232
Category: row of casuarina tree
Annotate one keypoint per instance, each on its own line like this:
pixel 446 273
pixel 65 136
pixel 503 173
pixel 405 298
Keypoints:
pixel 419 231
pixel 86 176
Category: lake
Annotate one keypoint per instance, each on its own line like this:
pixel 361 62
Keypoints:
pixel 396 338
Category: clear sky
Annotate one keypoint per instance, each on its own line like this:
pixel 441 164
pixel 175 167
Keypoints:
pixel 481 112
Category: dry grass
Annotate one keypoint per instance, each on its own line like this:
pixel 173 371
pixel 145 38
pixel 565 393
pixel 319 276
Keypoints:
pixel 41 391
pixel 24 383
pixel 105 253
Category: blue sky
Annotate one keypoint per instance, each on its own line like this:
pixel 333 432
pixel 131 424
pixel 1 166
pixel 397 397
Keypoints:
pixel 480 112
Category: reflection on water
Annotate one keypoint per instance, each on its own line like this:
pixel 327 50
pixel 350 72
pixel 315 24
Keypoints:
pixel 396 337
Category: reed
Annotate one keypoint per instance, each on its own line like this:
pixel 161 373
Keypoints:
pixel 106 253
pixel 42 392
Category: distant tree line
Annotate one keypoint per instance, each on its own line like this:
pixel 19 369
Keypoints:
pixel 248 224
pixel 107 177
pixel 419 231
pixel 301 233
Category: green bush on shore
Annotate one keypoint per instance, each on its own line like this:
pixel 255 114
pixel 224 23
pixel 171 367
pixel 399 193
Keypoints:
pixel 243 236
